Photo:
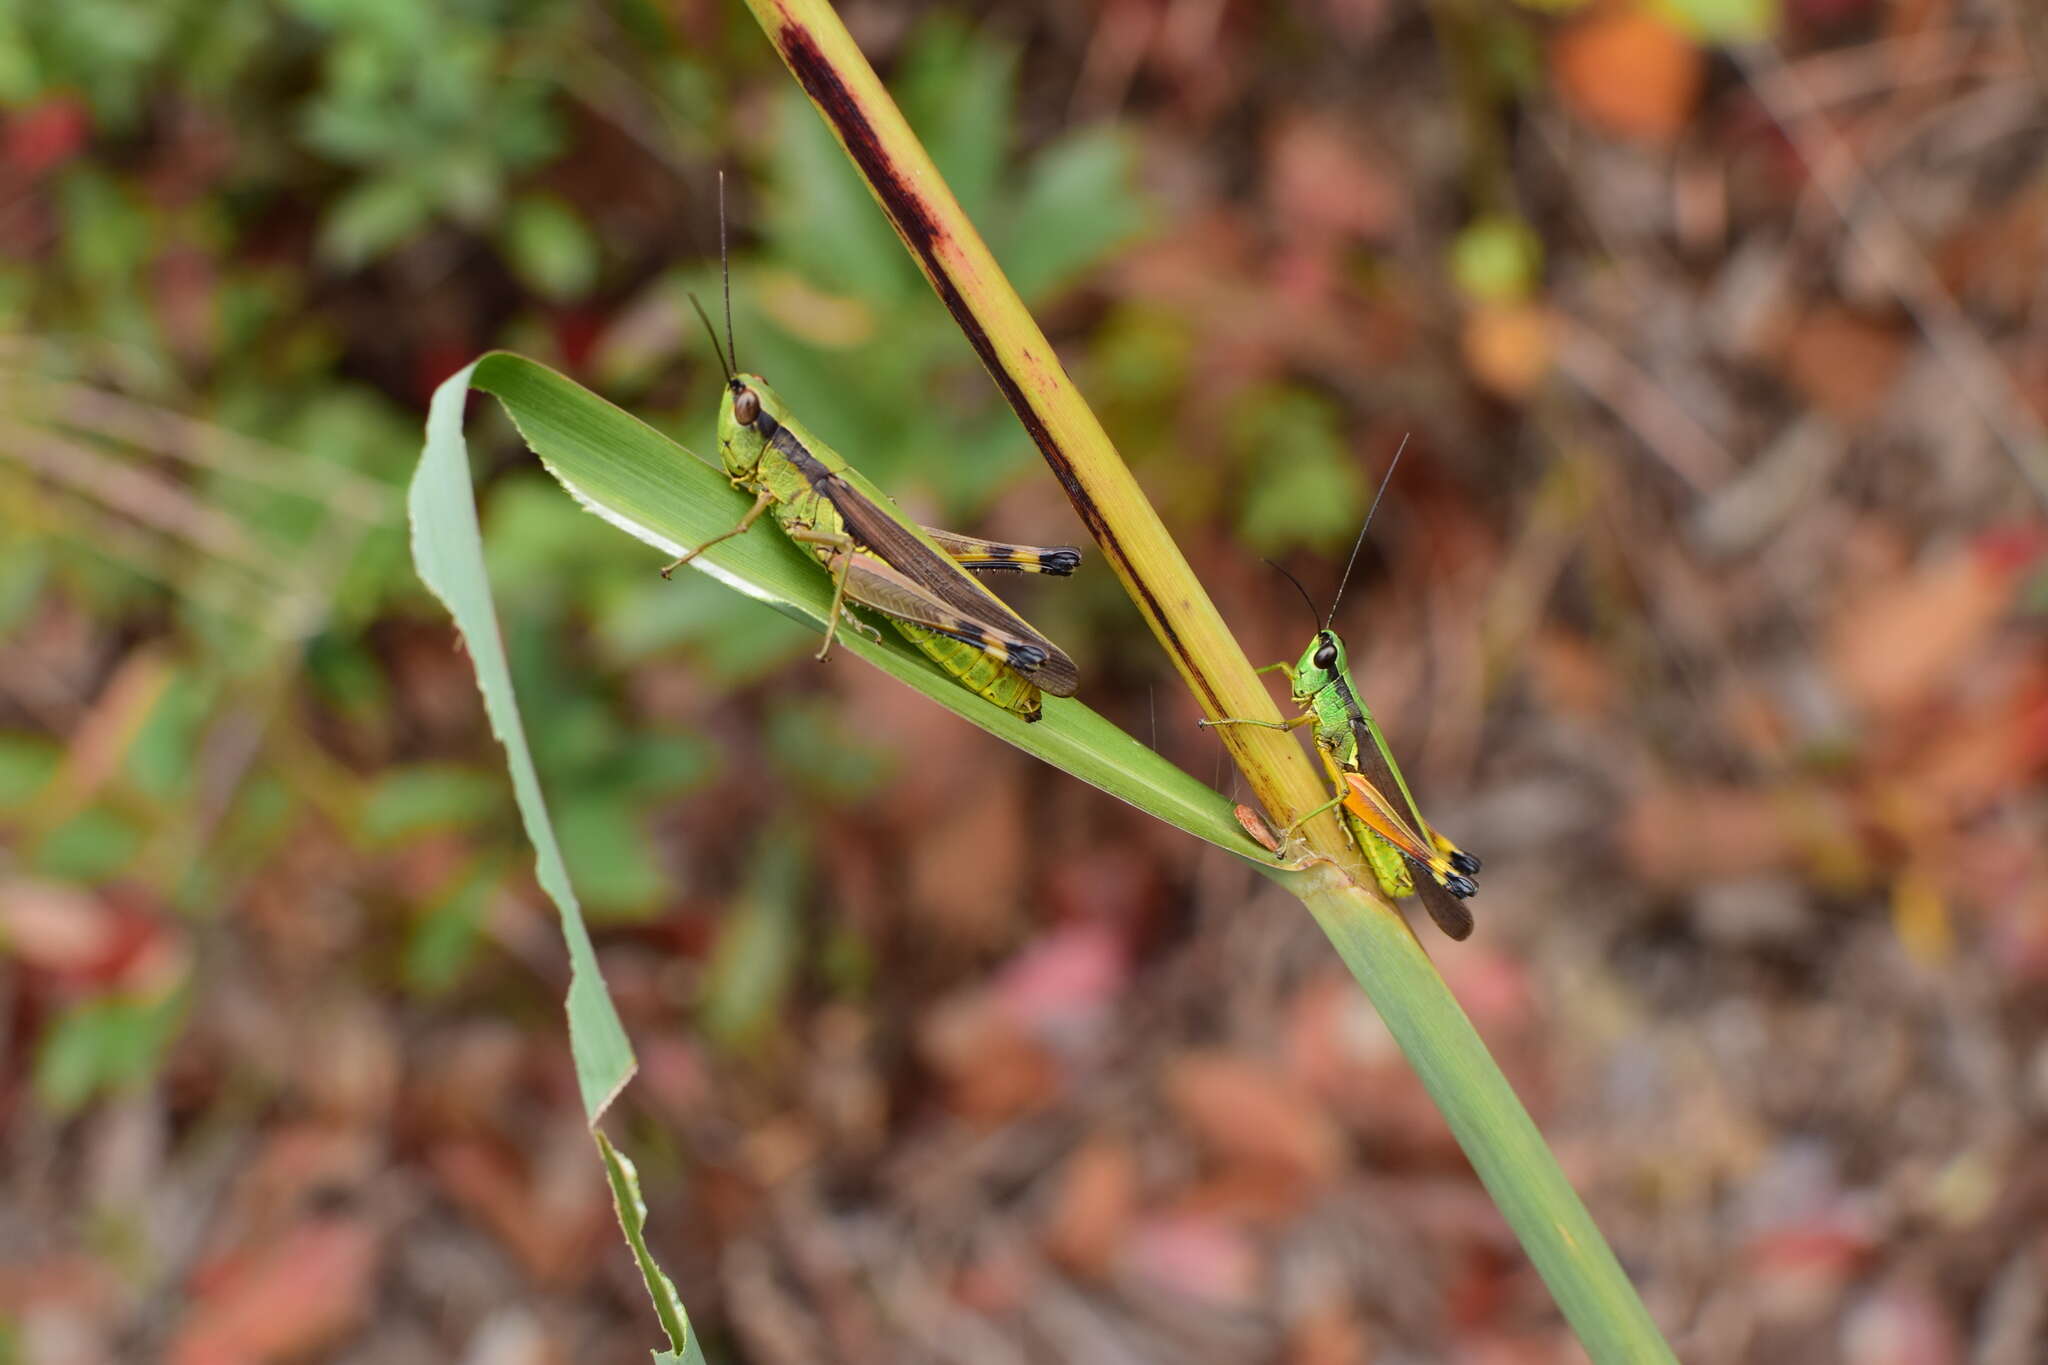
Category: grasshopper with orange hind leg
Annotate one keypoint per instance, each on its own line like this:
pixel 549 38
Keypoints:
pixel 1408 857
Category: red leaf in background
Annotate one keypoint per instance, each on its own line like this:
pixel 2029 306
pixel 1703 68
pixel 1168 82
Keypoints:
pixel 1901 1323
pixel 1570 675
pixel 1339 1050
pixel 45 135
pixel 675 1076
pixel 1845 365
pixel 1679 836
pixel 1480 1284
pixel 1891 647
pixel 1801 1265
pixel 434 363
pixel 2012 549
pixel 58 928
pixel 1493 988
pixel 1328 1334
pixel 81 940
pixel 1062 985
pixel 975 842
pixel 1994 260
pixel 299 1167
pixel 1197 1257
pixel 1989 749
pixel 1000 1280
pixel 1325 189
pixel 2019 939
pixel 303 1293
pixel 1248 1112
pixel 1091 1216
pixel 993 1068
pixel 1825 14
pixel 549 1214
pixel 577 329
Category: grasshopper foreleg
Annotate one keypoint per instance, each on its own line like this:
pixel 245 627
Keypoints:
pixel 839 559
pixel 762 502
pixel 1295 724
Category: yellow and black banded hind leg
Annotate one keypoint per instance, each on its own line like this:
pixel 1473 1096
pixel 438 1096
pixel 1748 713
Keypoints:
pixel 1007 668
pixel 995 556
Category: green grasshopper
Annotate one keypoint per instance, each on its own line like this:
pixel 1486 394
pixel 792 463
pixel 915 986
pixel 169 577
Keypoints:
pixel 878 557
pixel 1407 856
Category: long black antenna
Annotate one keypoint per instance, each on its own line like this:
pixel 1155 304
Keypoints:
pixel 725 271
pixel 1313 614
pixel 1386 479
pixel 711 332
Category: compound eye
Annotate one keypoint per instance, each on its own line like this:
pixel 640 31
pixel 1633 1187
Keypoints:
pixel 1326 657
pixel 746 406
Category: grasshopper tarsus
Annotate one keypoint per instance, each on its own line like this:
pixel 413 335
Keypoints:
pixel 1061 560
pixel 1304 718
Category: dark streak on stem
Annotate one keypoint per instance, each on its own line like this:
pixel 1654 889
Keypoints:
pixel 923 234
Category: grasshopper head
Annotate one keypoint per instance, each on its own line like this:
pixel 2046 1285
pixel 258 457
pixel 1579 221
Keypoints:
pixel 745 423
pixel 1321 662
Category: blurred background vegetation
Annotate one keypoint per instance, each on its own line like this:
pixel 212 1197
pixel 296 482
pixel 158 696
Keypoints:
pixel 1706 607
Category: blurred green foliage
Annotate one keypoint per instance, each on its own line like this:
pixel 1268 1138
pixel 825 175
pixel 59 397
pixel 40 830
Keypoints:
pixel 259 233
pixel 755 957
pixel 104 1044
pixel 1724 21
pixel 1497 259
pixel 256 234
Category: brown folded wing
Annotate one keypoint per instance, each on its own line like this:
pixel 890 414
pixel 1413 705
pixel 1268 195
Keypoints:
pixel 900 549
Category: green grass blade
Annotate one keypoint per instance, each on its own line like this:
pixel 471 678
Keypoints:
pixel 642 482
pixel 448 552
pixel 632 1211
pixel 1504 1145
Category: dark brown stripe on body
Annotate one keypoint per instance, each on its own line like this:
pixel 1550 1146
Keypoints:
pixel 783 441
pixel 807 464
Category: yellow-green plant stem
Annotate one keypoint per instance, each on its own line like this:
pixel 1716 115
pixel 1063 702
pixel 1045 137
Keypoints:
pixel 1375 943
pixel 831 69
